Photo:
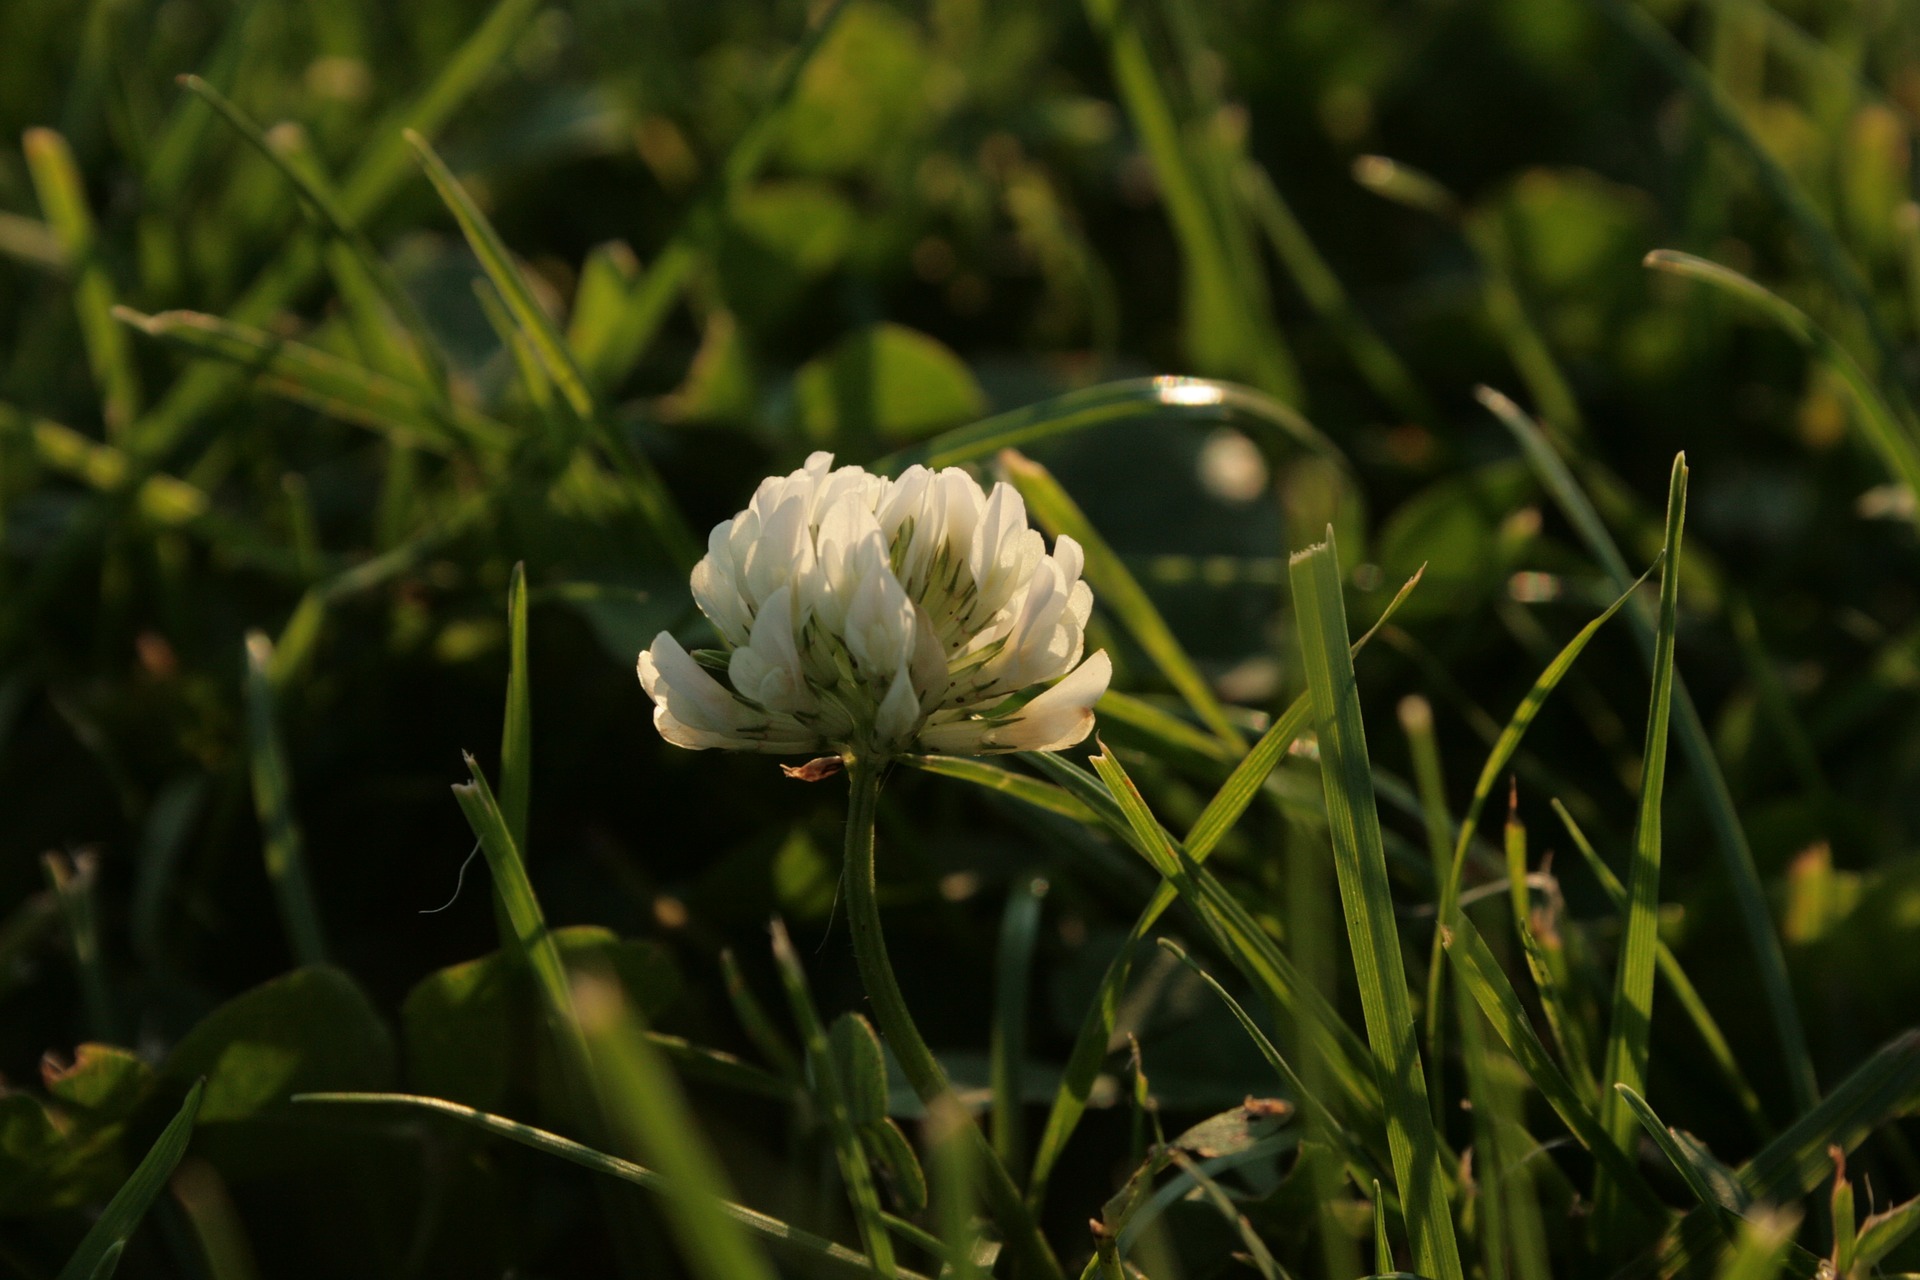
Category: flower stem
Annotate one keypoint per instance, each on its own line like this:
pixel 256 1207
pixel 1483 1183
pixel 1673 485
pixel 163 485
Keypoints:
pixel 1033 1256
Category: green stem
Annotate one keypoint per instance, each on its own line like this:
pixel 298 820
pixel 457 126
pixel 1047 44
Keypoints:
pixel 1034 1258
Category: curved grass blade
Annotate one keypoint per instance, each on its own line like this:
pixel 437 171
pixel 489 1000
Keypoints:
pixel 1889 435
pixel 805 1248
pixel 335 386
pixel 1630 1024
pixel 1360 864
pixel 1118 591
pixel 995 777
pixel 1711 1184
pixel 1677 981
pixel 99 1251
pixel 1730 838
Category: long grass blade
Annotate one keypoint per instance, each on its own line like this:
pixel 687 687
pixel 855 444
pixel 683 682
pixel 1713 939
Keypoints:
pixel 282 842
pixel 516 736
pixel 807 1250
pixel 1007 1048
pixel 63 199
pixel 1361 866
pixel 1630 1024
pixel 100 1249
pixel 1749 894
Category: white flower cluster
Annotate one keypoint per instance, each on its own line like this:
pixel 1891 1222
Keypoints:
pixel 878 616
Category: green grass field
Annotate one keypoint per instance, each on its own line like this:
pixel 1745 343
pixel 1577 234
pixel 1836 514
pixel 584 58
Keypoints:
pixel 1491 430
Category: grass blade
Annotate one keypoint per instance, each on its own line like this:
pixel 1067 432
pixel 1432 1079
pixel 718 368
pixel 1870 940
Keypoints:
pixel 516 736
pixel 1360 863
pixel 99 1251
pixel 1701 1179
pixel 1730 838
pixel 281 840
pixel 335 386
pixel 63 199
pixel 832 1094
pixel 1007 1049
pixel 1118 591
pixel 806 1249
pixel 1629 1025
pixel 1677 982
pixel 1890 436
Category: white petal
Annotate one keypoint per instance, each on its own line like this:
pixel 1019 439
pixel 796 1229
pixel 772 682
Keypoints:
pixel 899 713
pixel 1061 716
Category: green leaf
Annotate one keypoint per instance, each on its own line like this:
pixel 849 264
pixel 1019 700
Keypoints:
pixel 885 382
pixel 99 1252
pixel 1629 1028
pixel 310 1029
pixel 1884 1232
pixel 805 1248
pixel 104 1080
pixel 861 1067
pixel 890 1149
pixel 516 736
pixel 1360 863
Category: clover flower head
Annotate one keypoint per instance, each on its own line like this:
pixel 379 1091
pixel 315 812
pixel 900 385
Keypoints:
pixel 875 616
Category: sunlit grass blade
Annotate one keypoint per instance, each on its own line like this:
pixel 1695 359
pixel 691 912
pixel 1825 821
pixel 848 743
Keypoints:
pixel 950 1156
pixel 983 773
pixel 1361 866
pixel 807 1251
pixel 1256 1249
pixel 1118 592
pixel 1891 436
pixel 99 1251
pixel 1549 979
pixel 281 839
pixel 516 735
pixel 1488 985
pixel 831 1094
pixel 1222 812
pixel 335 386
pixel 1797 1162
pixel 1763 1248
pixel 1007 1047
pixel 63 199
pixel 1630 1023
pixel 1229 325
pixel 1749 894
pixel 1684 992
pixel 1496 764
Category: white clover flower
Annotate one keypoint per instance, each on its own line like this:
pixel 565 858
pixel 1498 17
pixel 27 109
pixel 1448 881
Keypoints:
pixel 876 617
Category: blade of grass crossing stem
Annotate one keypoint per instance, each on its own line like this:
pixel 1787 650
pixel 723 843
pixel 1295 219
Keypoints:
pixel 1007 1047
pixel 1730 838
pixel 1891 437
pixel 1118 591
pixel 1222 812
pixel 63 199
pixel 1228 318
pixel 516 737
pixel 100 1249
pixel 1677 982
pixel 831 1094
pixel 1630 1022
pixel 281 840
pixel 1360 864
pixel 804 1247
pixel 1487 983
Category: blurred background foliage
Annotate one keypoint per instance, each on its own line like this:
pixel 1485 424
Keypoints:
pixel 761 229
